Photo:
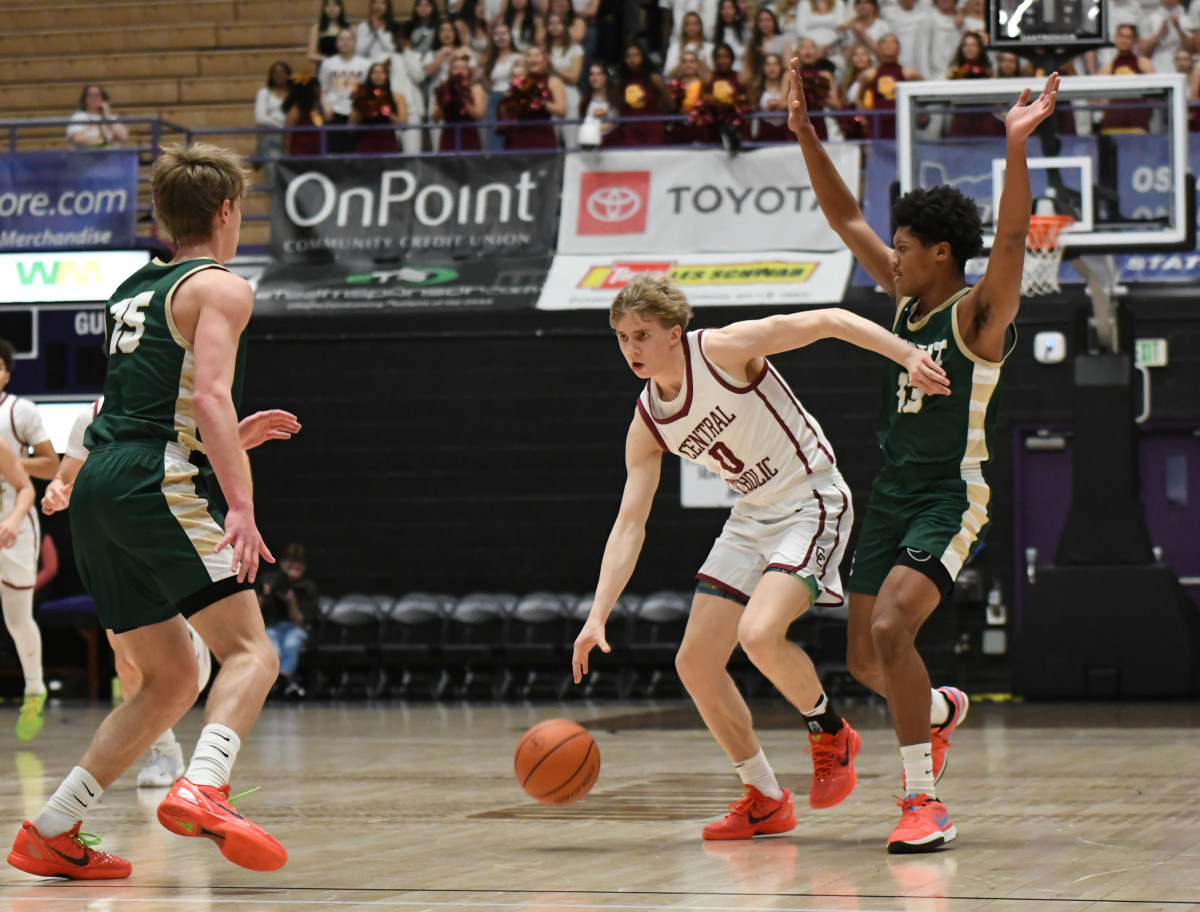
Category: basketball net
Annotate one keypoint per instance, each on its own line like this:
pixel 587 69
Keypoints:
pixel 1043 254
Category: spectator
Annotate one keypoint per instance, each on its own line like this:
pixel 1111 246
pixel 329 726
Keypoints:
pixel 731 30
pixel 686 89
pixel 303 108
pixel 1124 118
pixel 765 39
pixel 473 26
pixel 675 10
pixel 972 18
pixel 497 73
pixel 866 27
pixel 435 62
pixel 599 106
pixel 574 20
pixel 817 77
pixel 690 38
pixel 787 12
pixel 268 113
pixel 971 62
pixel 339 77
pixel 532 100
pixel 1117 13
pixel 849 89
pixel 909 22
pixel 406 73
pixel 422 26
pixel 1008 66
pixel 524 25
pixel 375 38
pixel 723 104
pixel 641 91
pixel 945 32
pixel 288 599
pixel 566 62
pixel 322 37
pixel 93 125
pixel 1166 30
pixel 771 90
pixel 459 102
pixel 374 105
pixel 819 20
pixel 878 87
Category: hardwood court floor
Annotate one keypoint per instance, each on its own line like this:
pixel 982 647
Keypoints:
pixel 414 807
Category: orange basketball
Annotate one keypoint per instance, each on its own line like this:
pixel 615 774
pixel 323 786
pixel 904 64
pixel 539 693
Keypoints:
pixel 557 761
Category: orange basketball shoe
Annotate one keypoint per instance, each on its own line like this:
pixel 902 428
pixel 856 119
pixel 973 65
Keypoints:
pixel 754 814
pixel 940 735
pixel 204 810
pixel 833 756
pixel 67 855
pixel 924 825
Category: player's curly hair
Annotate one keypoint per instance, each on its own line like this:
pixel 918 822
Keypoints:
pixel 942 214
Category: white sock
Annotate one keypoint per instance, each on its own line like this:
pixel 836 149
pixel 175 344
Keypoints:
pixel 165 741
pixel 216 752
pixel 18 618
pixel 918 769
pixel 757 772
pixel 69 804
pixel 939 708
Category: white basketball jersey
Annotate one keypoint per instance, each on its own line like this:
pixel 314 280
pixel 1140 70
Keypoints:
pixel 21 426
pixel 756 436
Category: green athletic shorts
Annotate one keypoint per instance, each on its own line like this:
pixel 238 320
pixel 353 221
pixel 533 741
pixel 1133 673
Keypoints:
pixel 943 515
pixel 144 526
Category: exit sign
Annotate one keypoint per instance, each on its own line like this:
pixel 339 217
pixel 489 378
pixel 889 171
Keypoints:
pixel 1150 353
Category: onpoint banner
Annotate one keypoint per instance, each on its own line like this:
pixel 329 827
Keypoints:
pixel 765 277
pixel 383 210
pixel 68 200
pixel 696 201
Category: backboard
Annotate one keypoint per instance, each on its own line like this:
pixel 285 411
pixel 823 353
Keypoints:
pixel 1113 156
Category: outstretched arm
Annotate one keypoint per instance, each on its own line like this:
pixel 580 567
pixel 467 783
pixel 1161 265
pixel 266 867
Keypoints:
pixel 737 345
pixel 837 202
pixel 993 305
pixel 643 465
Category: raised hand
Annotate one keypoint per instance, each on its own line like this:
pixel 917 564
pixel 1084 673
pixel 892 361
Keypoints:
pixel 1024 117
pixel 797 105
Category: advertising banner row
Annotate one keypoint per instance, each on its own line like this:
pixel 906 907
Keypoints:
pixel 67 200
pixel 510 232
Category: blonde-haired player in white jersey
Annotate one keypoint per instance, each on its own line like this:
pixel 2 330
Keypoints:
pixel 21 428
pixel 713 398
pixel 164 764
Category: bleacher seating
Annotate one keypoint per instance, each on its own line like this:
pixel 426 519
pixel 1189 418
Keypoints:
pixel 197 65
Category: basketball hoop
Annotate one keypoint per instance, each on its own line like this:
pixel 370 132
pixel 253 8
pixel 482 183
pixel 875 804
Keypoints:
pixel 1043 253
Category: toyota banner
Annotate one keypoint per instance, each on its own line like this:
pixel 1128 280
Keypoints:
pixel 696 201
pixel 377 212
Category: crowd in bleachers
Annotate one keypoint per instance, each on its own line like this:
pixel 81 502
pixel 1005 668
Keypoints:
pixel 504 73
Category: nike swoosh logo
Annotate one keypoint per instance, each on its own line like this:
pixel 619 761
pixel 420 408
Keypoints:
pixel 918 556
pixel 219 735
pixel 91 794
pixel 80 862
pixel 222 753
pixel 82 804
pixel 754 821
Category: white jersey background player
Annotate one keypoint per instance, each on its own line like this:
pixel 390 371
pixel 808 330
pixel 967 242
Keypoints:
pixel 22 429
pixel 713 398
pixel 165 762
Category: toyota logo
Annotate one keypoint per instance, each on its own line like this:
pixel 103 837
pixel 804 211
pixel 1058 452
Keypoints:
pixel 613 204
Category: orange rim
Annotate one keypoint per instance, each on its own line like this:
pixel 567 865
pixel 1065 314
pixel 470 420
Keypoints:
pixel 1044 230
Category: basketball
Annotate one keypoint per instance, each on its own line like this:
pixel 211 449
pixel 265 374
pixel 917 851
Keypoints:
pixel 557 761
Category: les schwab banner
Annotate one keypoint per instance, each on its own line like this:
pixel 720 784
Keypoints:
pixel 696 201
pixel 764 277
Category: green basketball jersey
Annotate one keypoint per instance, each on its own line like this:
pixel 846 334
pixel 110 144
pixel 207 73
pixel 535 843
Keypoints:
pixel 149 387
pixel 952 432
